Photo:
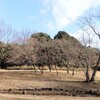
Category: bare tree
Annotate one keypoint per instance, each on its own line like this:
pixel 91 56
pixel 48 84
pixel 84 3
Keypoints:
pixel 6 32
pixel 23 52
pixel 89 22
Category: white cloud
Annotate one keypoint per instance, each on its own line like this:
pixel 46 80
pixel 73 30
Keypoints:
pixel 47 4
pixel 43 11
pixel 50 26
pixel 86 37
pixel 65 12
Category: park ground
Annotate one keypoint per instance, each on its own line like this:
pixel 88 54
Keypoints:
pixel 27 80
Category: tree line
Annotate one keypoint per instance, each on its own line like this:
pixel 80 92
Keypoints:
pixel 40 50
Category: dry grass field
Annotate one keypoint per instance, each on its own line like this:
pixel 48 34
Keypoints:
pixel 22 79
pixel 30 97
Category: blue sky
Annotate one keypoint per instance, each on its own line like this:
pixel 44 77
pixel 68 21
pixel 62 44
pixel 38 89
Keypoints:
pixel 49 16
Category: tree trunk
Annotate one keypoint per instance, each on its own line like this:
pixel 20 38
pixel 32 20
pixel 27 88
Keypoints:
pixel 73 72
pixel 87 77
pixel 40 69
pixel 87 74
pixel 95 70
pixel 67 69
pixel 0 64
pixel 50 68
pixel 56 69
pixel 35 69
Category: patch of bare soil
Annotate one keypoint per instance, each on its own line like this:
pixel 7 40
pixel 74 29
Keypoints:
pixel 29 83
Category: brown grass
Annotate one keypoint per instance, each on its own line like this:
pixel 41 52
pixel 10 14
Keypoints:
pixel 22 79
pixel 30 97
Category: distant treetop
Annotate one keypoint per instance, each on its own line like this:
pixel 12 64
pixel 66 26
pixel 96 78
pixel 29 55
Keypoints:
pixel 41 36
pixel 62 35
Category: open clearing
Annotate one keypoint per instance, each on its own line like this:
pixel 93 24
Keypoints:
pixel 22 79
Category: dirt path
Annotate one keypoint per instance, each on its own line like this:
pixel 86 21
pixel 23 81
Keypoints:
pixel 31 97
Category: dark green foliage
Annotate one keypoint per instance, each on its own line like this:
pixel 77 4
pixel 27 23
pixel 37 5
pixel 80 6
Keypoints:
pixel 4 54
pixel 62 35
pixel 41 36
